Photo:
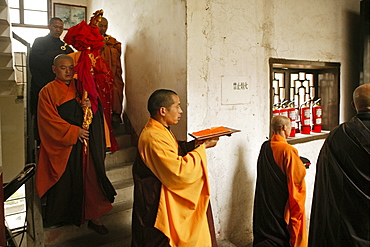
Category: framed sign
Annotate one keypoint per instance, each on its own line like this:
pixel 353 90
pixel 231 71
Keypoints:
pixel 70 14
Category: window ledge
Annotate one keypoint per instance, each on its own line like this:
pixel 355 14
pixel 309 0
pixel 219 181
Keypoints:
pixel 302 138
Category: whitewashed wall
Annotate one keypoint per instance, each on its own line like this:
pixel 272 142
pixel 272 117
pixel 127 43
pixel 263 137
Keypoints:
pixel 236 38
pixel 196 46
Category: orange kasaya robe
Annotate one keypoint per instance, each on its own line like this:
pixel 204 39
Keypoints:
pixel 111 53
pixel 57 136
pixel 288 160
pixel 185 189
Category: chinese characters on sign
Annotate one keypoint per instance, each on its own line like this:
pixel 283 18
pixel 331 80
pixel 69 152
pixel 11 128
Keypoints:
pixel 236 90
pixel 240 85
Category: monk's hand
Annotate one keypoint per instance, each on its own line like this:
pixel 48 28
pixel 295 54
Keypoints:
pixel 86 103
pixel 198 143
pixel 209 143
pixel 83 135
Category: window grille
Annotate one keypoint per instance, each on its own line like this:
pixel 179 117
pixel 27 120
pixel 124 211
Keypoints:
pixel 296 84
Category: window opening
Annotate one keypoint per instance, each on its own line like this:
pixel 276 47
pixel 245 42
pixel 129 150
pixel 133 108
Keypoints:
pixel 29 12
pixel 306 92
pixel 15 209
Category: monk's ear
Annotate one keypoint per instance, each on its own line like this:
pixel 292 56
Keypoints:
pixel 53 68
pixel 162 111
pixel 353 105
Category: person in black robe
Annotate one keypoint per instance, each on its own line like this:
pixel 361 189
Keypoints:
pixel 340 214
pixel 43 52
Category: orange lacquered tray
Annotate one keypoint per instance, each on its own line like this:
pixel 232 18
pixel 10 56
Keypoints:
pixel 213 132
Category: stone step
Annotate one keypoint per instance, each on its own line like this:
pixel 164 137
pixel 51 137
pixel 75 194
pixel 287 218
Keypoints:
pixel 3 21
pixel 6 68
pixel 123 155
pixel 6 55
pixel 4 18
pixel 121 130
pixel 9 83
pixel 119 171
pixel 5 31
pixel 123 140
pixel 5 43
pixel 6 60
pixel 118 221
pixel 7 87
pixel 124 189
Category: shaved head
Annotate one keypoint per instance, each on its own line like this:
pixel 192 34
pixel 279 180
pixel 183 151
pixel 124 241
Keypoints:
pixel 160 98
pixel 361 98
pixel 278 122
pixel 61 57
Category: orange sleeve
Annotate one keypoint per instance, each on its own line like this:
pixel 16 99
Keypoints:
pixel 295 172
pixel 52 127
pixel 57 136
pixel 287 158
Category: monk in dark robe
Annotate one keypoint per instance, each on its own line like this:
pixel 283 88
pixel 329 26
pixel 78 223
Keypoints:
pixel 172 191
pixel 340 213
pixel 74 191
pixel 111 53
pixel 279 217
pixel 43 52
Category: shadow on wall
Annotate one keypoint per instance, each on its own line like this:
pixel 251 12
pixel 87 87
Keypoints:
pixel 144 73
pixel 134 97
pixel 239 227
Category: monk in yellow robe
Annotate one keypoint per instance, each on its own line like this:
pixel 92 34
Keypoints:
pixel 172 191
pixel 279 217
pixel 111 53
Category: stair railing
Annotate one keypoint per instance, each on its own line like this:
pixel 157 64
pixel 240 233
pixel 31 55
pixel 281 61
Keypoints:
pixel 30 150
pixel 33 221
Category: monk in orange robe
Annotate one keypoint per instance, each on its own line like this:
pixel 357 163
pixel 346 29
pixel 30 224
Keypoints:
pixel 111 53
pixel 72 190
pixel 279 217
pixel 172 191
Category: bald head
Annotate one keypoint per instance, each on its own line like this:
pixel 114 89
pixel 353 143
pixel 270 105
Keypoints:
pixel 279 124
pixel 64 68
pixel 62 57
pixel 361 98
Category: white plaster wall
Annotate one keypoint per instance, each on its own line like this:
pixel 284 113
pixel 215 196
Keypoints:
pixel 236 38
pixel 12 137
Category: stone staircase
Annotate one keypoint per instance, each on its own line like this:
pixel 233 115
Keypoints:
pixel 118 220
pixel 7 75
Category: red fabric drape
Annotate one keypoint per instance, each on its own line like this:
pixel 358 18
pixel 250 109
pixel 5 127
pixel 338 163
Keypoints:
pixel 93 73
